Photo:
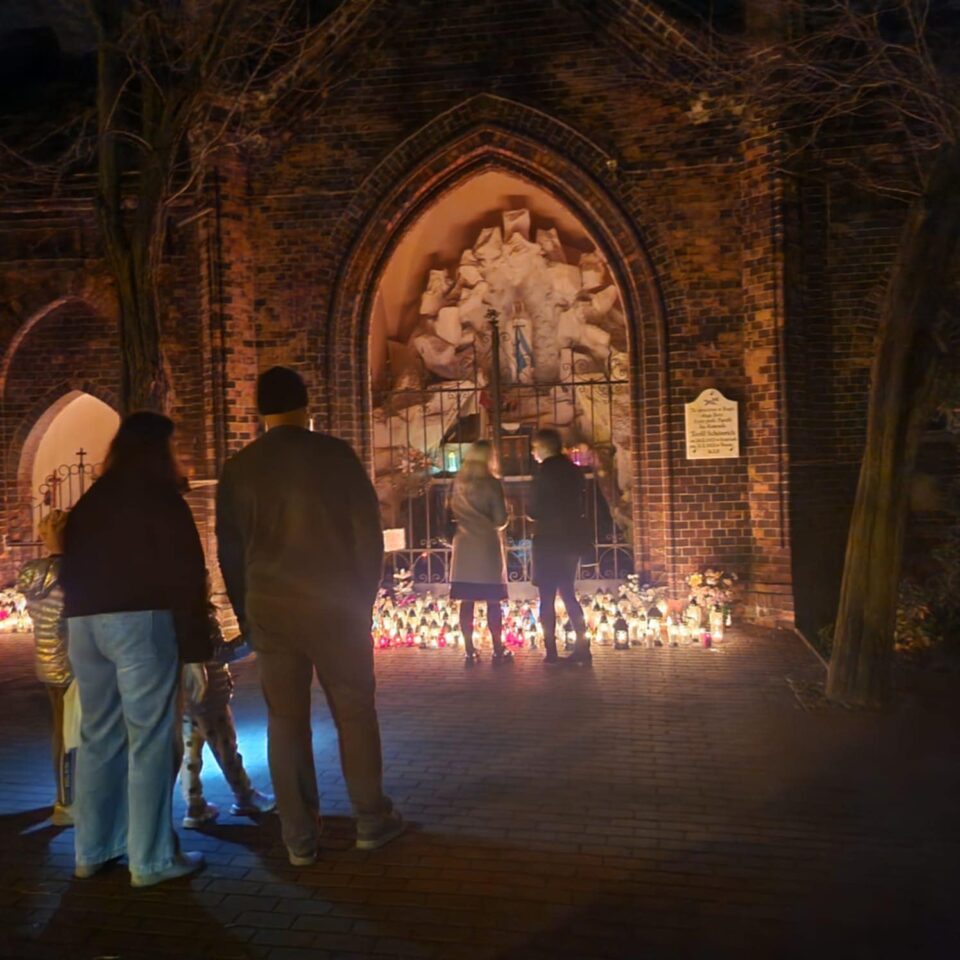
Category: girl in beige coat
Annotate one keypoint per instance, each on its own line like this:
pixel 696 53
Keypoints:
pixel 478 571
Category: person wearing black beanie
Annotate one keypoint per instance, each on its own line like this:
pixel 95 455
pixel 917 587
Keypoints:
pixel 280 390
pixel 301 551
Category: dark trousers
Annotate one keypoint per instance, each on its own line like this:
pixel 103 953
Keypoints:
pixel 554 572
pixel 494 619
pixel 341 655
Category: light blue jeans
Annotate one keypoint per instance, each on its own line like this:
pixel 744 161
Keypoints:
pixel 127 669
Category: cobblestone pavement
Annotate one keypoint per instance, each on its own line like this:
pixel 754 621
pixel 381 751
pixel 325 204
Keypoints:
pixel 668 803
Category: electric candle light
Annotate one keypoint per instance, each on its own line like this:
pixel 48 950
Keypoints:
pixel 593 614
pixel 653 625
pixel 621 635
pixel 716 622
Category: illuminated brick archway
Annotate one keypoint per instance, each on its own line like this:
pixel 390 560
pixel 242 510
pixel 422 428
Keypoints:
pixel 567 167
pixel 65 349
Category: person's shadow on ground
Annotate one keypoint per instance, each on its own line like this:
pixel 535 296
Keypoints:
pixel 46 912
pixel 26 821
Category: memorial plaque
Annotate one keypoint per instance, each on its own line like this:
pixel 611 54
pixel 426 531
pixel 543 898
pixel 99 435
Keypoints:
pixel 713 427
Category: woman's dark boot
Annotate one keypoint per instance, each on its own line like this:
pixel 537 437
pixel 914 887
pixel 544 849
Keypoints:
pixel 550 646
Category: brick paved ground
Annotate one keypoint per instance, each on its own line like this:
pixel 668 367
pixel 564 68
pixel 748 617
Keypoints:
pixel 670 803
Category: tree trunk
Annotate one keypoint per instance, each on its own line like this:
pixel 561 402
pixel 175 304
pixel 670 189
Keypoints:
pixel 143 380
pixel 133 240
pixel 904 373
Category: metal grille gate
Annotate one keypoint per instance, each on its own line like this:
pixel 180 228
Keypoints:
pixel 420 436
pixel 61 489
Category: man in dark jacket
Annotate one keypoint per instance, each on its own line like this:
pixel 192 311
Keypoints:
pixel 557 504
pixel 301 551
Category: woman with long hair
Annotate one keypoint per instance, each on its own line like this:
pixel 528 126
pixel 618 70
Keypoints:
pixel 478 572
pixel 134 582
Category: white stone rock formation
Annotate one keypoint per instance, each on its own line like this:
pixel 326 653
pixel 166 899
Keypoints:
pixel 548 307
pixel 516 221
pixel 438 284
pixel 549 243
pixel 567 305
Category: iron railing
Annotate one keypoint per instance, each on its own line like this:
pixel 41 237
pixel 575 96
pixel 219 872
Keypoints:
pixel 60 490
pixel 422 435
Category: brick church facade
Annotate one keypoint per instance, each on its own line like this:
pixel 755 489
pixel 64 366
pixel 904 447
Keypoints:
pixel 732 275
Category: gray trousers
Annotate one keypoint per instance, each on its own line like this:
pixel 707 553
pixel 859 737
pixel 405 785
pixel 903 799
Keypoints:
pixel 341 655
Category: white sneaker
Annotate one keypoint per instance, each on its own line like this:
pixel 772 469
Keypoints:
pixel 84 871
pixel 389 828
pixel 195 819
pixel 296 860
pixel 254 805
pixel 183 865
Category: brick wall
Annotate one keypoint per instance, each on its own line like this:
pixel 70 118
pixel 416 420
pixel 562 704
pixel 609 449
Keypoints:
pixel 733 276
pixel 495 85
pixel 58 335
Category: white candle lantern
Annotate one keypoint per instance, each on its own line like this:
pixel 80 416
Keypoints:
pixel 716 622
pixel 653 625
pixel 593 615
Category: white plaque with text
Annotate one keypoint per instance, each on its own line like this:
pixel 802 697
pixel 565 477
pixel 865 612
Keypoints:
pixel 394 539
pixel 713 427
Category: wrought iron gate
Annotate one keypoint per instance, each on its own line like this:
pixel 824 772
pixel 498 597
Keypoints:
pixel 420 436
pixel 60 490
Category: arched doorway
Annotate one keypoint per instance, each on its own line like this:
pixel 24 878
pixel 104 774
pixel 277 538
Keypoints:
pixel 496 315
pixel 65 450
pixel 67 348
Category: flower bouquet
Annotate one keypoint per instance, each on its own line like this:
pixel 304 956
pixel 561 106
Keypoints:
pixel 642 596
pixel 713 588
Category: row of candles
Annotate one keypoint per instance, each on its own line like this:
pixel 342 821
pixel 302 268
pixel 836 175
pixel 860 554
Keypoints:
pixel 430 622
pixel 406 619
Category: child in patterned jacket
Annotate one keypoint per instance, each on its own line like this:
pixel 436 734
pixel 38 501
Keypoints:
pixel 39 582
pixel 211 722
